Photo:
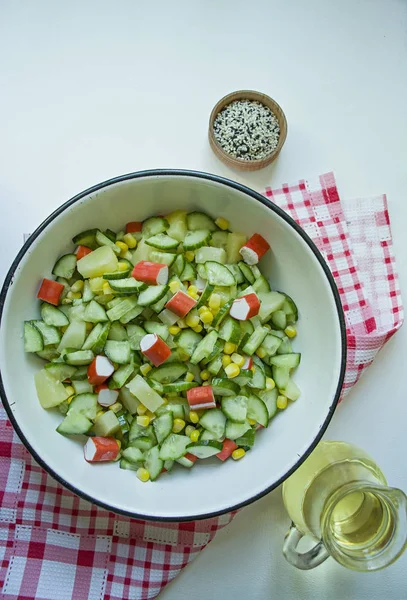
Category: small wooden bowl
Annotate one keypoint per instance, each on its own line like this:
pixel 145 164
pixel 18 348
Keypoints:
pixel 239 163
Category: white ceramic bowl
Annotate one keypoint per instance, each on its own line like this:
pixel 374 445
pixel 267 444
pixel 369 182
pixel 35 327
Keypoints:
pixel 294 265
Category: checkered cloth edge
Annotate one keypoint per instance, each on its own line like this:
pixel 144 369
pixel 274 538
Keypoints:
pixel 56 546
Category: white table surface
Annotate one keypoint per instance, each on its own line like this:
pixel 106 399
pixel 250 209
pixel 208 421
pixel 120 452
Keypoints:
pixel 93 89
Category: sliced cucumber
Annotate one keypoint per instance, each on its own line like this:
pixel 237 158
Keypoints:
pixel 158 328
pixel 74 336
pixel 246 441
pixel 258 380
pixel 135 333
pixel 48 353
pixel 158 306
pixel 162 241
pixel 50 334
pixel 290 309
pixel 107 424
pixel 79 357
pixel 127 286
pixel 188 341
pixel 154 226
pixel 94 313
pixel 234 431
pixel 285 346
pixel 271 344
pixel 235 241
pixel 291 390
pixel 209 253
pixel 205 294
pixel 84 404
pixel 60 371
pixel 279 319
pixel 214 420
pixel 80 386
pixel 205 449
pixel 152 294
pixel 178 225
pixel 169 373
pixel 65 266
pixel 219 239
pixel 289 361
pixel 208 435
pixel 86 238
pixel 270 400
pixel 244 377
pixel 188 274
pixel 121 308
pixel 74 424
pixel 269 303
pixel 117 332
pixel 118 352
pixel 224 387
pixel 196 239
pixel 255 340
pixel 133 455
pixel 178 386
pixel 97 338
pixel 162 426
pixel 153 463
pixel 235 408
pixel 163 258
pixel 261 285
pixel 129 466
pixel 281 376
pixel 51 315
pixel 131 314
pixel 127 399
pixel 199 220
pixel 237 273
pixel 218 274
pixel 117 275
pixel 204 348
pixel 215 366
pixel 223 312
pixel 174 446
pixel 230 330
pixel 121 376
pixel 178 265
pixel 103 240
pixel 257 410
pixel 246 272
pixel 142 252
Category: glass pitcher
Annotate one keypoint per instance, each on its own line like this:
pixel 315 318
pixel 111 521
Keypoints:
pixel 340 497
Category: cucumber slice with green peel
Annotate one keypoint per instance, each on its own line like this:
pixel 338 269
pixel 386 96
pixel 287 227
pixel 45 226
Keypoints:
pixel 65 266
pixel 81 373
pixel 153 463
pixel 77 312
pixel 74 336
pixel 106 425
pixel 97 338
pixel 269 398
pixel 162 426
pixel 51 315
pixel 235 241
pixel 196 239
pixel 285 346
pixel 169 373
pixel 255 340
pixel 152 294
pixel 168 465
pixel 79 357
pixel 81 386
pixel 74 424
pixel 271 344
pixel 199 220
pixel 201 271
pixel 279 334
pixel 233 431
pixel 121 308
pixel 246 327
pixel 118 352
pixel 133 313
pixel 219 239
pixel 224 387
pixel 289 361
pixel 174 446
pixel 33 341
pixel 60 371
pixel 235 408
pixel 246 272
pixel 245 291
pixel 230 330
pixel 87 294
pixel 158 306
pixel 163 258
pixel 117 332
pixel 216 352
pixel 261 285
pixel 218 274
pixel 256 271
pixel 208 435
pixel 127 399
pixel 110 234
pixel 144 443
pixel 50 334
pixel 137 431
pixel 205 448
pixel 117 275
pixel 158 328
pixel 49 353
pixel 205 295
pixel 178 386
pixel 188 274
pixel 103 240
pixel 215 366
pixel 290 308
pixel 178 265
pixel 162 241
pixel 281 376
pixel 214 420
pixel 211 254
pixel 269 303
pixel 188 341
pixel 128 466
pixel 178 225
pixel 223 312
pixel 185 462
pixel 154 226
pixel 204 348
pixel 84 404
pixel 291 390
pixel 135 333
pixel 142 252
pixel 128 286
pixel 195 370
pixel 245 338
pixel 258 380
pixel 279 319
pixel 95 313
pixel 246 441
pixel 133 455
pixel 243 378
pixel 257 410
pixel 100 261
pixel 237 273
pixel 121 376
pixel 86 238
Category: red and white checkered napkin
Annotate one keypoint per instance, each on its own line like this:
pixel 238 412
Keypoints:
pixel 55 546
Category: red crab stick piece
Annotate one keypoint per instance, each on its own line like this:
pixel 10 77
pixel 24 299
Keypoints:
pixel 245 308
pixel 248 362
pixel 156 350
pixel 191 457
pixel 254 249
pixel 98 449
pixel 82 251
pixel 134 227
pixel 228 447
pixel 151 273
pixel 99 370
pixel 201 397
pixel 106 397
pixel 50 291
pixel 180 304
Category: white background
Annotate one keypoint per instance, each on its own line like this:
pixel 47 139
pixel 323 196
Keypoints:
pixel 93 89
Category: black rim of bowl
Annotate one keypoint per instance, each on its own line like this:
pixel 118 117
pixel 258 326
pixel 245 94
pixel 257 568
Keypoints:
pixel 257 196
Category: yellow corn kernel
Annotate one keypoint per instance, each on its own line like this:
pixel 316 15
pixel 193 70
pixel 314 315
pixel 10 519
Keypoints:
pixel 130 240
pixel 253 369
pixel 261 353
pixel 193 416
pixel 270 383
pixel 238 453
pixel 189 377
pixel 252 421
pixel 194 437
pixel 174 329
pixel 123 247
pixel 214 301
pixel 182 324
pixel 141 409
pixel 226 360
pixel 144 369
pixel 189 429
pixel 205 375
pixel 119 443
pixel 151 415
pixel 74 295
pixel 143 421
pixel 77 286
pixel 178 425
pixel 192 320
pixel 65 327
pixel 116 407
pixel 122 266
pixel 174 286
pixel 290 331
pixel 229 348
pixel 96 284
pixel 70 390
pixel 192 289
pixel 222 223
pixel 89 327
pixel 99 413
pixel 238 359
pixel 207 317
pixel 232 370
pixel 190 255
pixel 214 311
pixel 106 288
pixel 206 383
pixel 198 328
pixel 282 402
pixel 202 309
pixel 143 474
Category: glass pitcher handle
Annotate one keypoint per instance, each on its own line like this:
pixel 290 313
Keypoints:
pixel 302 560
